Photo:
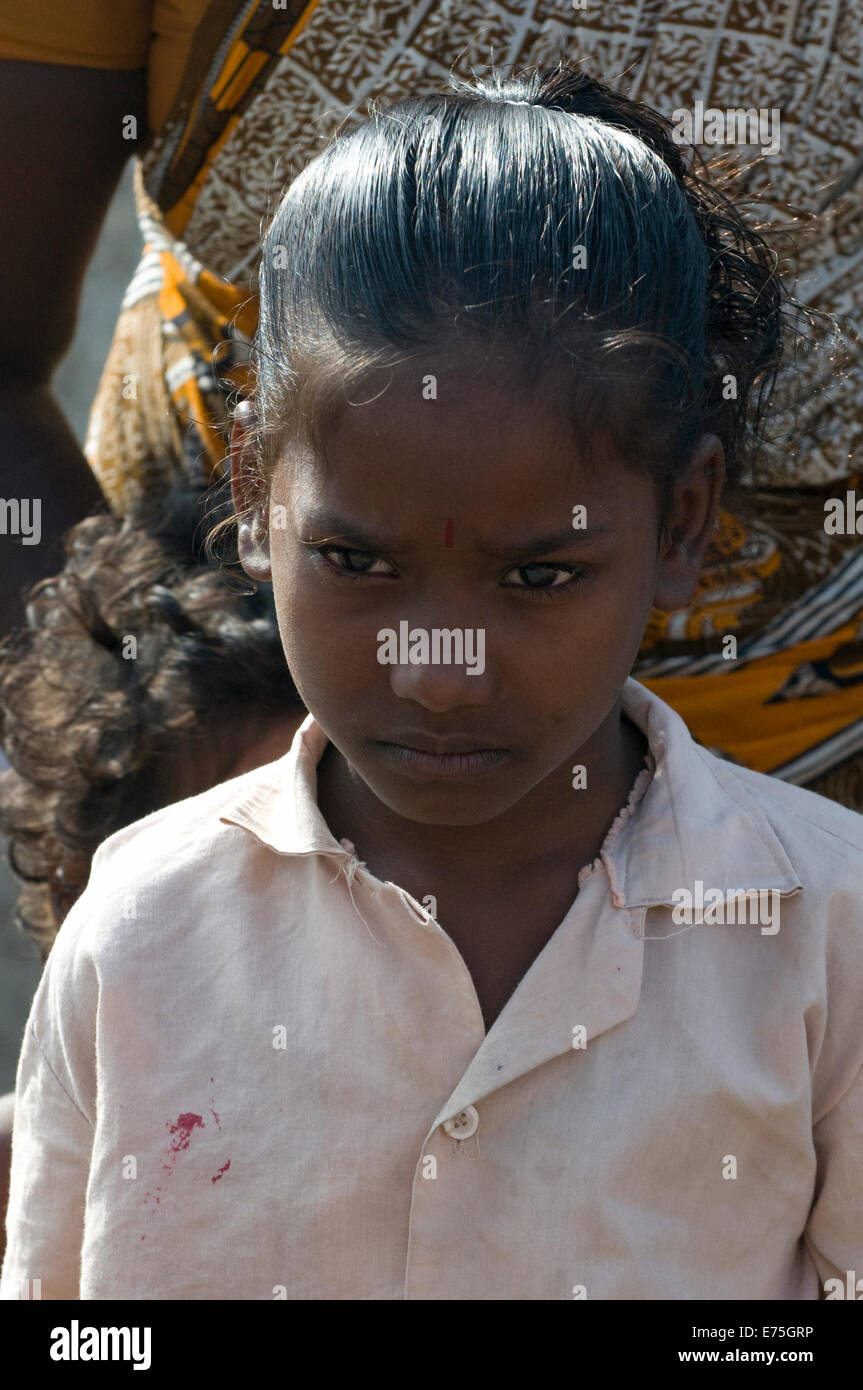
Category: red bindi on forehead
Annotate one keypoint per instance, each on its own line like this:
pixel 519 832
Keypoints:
pixel 448 532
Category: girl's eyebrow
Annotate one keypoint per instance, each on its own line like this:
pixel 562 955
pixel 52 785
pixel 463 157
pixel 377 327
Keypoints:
pixel 556 540
pixel 338 528
pixel 335 528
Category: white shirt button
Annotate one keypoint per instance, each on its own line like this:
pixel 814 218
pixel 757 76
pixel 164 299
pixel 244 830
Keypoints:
pixel 463 1125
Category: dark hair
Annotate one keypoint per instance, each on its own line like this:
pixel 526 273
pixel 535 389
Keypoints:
pixel 94 738
pixel 453 220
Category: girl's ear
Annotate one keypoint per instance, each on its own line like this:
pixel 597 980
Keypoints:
pixel 251 502
pixel 690 525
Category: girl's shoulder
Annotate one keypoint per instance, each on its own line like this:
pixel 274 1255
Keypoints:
pixel 823 843
pixel 190 825
pixel 805 815
pixel 158 874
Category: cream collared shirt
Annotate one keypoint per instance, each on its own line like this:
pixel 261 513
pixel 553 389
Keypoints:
pixel 252 1070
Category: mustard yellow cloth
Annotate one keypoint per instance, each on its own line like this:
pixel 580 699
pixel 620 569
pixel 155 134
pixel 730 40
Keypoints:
pixel 112 34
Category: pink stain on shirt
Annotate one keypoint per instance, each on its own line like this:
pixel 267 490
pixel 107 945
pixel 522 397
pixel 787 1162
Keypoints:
pixel 224 1168
pixel 183 1130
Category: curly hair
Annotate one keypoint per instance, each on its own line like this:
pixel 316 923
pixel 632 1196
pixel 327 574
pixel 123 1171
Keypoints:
pixel 135 660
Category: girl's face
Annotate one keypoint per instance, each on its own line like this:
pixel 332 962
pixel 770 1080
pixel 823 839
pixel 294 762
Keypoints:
pixel 459 513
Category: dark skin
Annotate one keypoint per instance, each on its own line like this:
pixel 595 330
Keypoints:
pixel 63 153
pixel 440 502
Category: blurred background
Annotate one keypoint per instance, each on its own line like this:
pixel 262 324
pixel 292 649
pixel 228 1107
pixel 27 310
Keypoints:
pixel 75 383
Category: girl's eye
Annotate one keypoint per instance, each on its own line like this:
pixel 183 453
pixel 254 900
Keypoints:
pixel 351 562
pixel 541 579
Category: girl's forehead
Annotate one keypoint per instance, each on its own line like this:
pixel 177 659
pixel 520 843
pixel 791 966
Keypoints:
pixel 453 426
pixel 408 445
pixel 499 480
pixel 444 405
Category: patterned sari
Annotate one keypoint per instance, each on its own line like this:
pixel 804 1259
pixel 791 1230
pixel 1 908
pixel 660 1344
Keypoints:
pixel 264 88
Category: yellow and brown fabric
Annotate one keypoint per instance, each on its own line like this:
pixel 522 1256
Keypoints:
pixel 264 87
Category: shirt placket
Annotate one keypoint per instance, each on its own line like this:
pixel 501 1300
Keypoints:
pixel 587 977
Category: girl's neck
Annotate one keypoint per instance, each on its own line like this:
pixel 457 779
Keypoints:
pixel 553 826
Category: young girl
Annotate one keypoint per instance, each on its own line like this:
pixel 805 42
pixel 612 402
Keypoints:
pixel 497 985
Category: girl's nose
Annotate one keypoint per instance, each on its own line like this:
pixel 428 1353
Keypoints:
pixel 441 688
pixel 440 668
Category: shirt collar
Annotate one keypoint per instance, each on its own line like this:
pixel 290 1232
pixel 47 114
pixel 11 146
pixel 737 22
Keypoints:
pixel 696 820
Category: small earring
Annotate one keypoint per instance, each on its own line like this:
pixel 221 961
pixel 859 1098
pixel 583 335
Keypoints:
pixel 245 414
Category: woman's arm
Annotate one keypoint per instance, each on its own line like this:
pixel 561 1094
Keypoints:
pixel 61 157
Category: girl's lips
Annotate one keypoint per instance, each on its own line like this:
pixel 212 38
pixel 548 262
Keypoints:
pixel 445 764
